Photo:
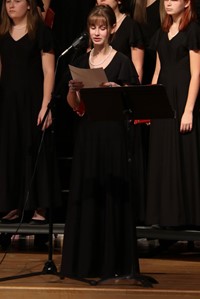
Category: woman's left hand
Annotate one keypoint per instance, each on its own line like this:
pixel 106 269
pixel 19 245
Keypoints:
pixel 186 122
pixel 48 120
pixel 110 84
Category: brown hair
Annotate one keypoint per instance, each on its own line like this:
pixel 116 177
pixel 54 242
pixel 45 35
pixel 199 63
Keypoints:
pixel 188 16
pixel 138 11
pixel 33 18
pixel 102 14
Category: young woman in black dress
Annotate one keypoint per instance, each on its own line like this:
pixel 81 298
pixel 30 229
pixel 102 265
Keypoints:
pixel 97 239
pixel 27 79
pixel 174 158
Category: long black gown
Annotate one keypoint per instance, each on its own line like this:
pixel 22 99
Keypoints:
pixel 97 239
pixel 129 35
pixel 148 30
pixel 21 95
pixel 141 134
pixel 174 158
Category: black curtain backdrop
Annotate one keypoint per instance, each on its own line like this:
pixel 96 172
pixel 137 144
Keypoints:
pixel 70 20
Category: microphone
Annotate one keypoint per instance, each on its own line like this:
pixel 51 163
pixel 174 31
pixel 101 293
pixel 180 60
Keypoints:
pixel 76 43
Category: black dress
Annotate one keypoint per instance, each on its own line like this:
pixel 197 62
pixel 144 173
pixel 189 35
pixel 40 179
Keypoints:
pixel 97 239
pixel 21 95
pixel 148 30
pixel 174 158
pixel 127 35
pixel 141 131
pixel 197 6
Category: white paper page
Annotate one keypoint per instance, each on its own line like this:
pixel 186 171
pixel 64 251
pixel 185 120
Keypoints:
pixel 89 77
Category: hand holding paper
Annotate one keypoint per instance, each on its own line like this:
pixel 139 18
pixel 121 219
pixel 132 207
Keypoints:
pixel 89 77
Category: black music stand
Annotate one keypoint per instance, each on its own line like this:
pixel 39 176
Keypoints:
pixel 124 103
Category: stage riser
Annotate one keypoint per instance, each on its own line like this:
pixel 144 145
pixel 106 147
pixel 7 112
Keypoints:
pixel 93 294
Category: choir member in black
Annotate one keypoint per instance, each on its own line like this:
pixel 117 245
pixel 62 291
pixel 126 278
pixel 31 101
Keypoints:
pixel 174 158
pixel 26 83
pixel 97 238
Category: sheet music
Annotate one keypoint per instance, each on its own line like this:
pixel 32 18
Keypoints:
pixel 89 77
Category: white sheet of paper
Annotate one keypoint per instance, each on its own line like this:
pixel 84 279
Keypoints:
pixel 89 77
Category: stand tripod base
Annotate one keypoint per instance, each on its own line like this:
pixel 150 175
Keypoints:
pixel 143 280
pixel 49 268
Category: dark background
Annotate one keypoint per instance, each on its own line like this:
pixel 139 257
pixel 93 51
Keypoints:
pixel 69 24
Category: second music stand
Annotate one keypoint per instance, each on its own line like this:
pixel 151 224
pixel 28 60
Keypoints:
pixel 124 103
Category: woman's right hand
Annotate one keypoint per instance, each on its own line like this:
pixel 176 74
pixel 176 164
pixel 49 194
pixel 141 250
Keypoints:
pixel 75 85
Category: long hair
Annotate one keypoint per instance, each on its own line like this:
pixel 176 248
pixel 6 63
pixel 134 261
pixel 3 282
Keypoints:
pixel 189 15
pixel 139 11
pixel 33 18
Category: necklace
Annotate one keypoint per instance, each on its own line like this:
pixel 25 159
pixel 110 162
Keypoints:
pixel 121 18
pixel 97 64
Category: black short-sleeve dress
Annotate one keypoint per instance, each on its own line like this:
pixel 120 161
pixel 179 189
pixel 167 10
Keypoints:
pixel 127 35
pixel 98 240
pixel 174 158
pixel 21 95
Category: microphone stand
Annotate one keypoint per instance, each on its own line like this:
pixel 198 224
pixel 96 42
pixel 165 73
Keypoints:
pixel 49 266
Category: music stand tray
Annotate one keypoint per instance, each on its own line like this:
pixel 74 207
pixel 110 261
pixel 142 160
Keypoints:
pixel 140 101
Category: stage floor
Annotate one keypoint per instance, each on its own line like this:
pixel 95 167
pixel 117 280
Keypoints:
pixel 177 271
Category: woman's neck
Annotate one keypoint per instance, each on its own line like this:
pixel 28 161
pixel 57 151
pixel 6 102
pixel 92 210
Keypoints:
pixel 19 22
pixel 101 57
pixel 177 19
pixel 150 2
pixel 119 19
pixel 100 50
pixel 19 28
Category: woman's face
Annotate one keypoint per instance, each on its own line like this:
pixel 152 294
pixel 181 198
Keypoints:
pixel 17 9
pixel 112 3
pixel 175 7
pixel 99 33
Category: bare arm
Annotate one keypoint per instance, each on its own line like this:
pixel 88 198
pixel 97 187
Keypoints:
pixel 187 117
pixel 138 60
pixel 73 96
pixel 48 64
pixel 157 70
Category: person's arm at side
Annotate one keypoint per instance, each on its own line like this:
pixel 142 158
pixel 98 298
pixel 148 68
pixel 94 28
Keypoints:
pixel 46 6
pixel 137 56
pixel 187 117
pixel 156 71
pixel 48 64
pixel 73 96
